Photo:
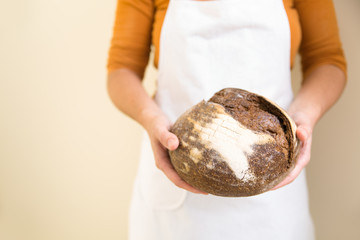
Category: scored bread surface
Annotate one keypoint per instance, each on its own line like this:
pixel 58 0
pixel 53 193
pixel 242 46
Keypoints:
pixel 235 144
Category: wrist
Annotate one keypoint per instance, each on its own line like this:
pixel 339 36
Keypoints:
pixel 148 116
pixel 305 115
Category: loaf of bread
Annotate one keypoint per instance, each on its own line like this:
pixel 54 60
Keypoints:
pixel 236 144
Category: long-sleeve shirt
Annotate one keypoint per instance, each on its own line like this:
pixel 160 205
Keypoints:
pixel 313 28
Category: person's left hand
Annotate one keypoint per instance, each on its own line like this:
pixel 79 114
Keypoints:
pixel 304 133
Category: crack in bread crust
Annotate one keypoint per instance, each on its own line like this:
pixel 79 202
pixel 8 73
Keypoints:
pixel 204 158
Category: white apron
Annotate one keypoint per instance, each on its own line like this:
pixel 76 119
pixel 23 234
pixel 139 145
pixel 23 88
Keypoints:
pixel 206 46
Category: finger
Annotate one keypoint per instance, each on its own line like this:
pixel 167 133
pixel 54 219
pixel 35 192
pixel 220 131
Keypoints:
pixel 167 139
pixel 302 133
pixel 163 163
pixel 161 155
pixel 289 178
pixel 175 178
pixel 302 161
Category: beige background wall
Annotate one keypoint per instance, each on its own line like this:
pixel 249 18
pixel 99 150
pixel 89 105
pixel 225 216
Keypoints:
pixel 333 178
pixel 68 158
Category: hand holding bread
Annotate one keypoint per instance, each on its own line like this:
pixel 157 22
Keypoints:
pixel 161 141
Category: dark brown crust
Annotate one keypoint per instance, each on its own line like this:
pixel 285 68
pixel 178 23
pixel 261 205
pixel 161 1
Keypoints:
pixel 218 181
pixel 270 162
pixel 259 115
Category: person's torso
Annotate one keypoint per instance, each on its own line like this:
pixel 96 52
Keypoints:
pixel 204 48
pixel 161 7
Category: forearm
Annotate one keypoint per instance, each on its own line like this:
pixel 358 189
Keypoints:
pixel 319 91
pixel 129 96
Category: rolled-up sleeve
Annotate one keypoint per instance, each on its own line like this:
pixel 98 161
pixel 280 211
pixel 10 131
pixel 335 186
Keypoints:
pixel 131 40
pixel 320 35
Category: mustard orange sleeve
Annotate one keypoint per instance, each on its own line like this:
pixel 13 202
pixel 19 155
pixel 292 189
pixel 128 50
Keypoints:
pixel 131 40
pixel 320 35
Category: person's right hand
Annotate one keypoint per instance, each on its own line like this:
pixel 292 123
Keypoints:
pixel 161 139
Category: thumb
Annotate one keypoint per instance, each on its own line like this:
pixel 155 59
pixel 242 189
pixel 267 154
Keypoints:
pixel 168 139
pixel 302 133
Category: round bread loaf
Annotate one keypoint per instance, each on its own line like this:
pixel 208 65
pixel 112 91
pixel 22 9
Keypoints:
pixel 236 144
